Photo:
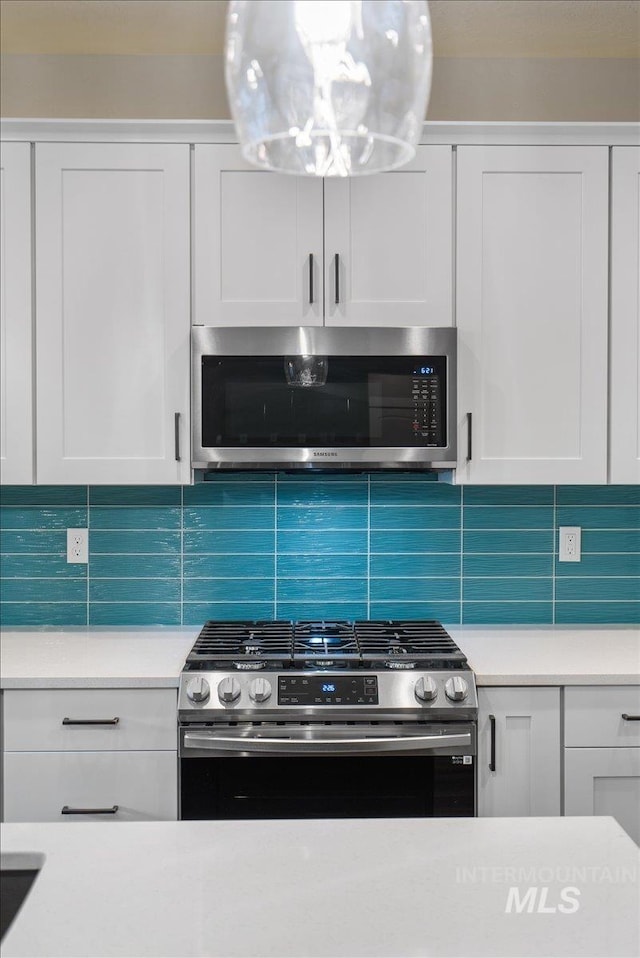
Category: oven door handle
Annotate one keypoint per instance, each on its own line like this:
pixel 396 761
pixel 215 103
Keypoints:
pixel 333 746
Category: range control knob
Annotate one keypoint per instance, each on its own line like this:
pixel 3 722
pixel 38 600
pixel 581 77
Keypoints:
pixel 198 689
pixel 456 688
pixel 229 690
pixel 426 689
pixel 260 690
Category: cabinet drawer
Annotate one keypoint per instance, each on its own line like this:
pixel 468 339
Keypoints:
pixel 604 781
pixel 38 785
pixel 593 716
pixel 35 719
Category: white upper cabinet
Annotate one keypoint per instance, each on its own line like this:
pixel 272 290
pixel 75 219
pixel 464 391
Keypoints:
pixel 268 247
pixel 388 245
pixel 532 304
pixel 625 316
pixel 16 414
pixel 113 300
pixel 258 244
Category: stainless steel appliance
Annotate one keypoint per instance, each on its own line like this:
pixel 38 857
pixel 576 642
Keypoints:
pixel 326 719
pixel 305 397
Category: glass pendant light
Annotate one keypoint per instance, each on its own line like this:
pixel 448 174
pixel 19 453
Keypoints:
pixel 328 87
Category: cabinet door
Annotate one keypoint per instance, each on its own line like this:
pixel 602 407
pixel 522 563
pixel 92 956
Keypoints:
pixel 625 316
pixel 388 240
pixel 258 244
pixel 524 726
pixel 113 295
pixel 38 785
pixel 604 781
pixel 532 289
pixel 16 426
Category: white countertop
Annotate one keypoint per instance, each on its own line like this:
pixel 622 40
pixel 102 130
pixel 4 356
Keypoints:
pixel 401 887
pixel 500 655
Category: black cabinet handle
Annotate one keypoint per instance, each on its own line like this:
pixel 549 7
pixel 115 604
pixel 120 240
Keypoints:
pixel 68 721
pixel 492 758
pixel 336 266
pixel 311 279
pixel 176 435
pixel 68 810
pixel 469 437
pixel 630 718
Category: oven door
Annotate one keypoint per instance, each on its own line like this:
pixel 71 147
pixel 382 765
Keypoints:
pixel 355 770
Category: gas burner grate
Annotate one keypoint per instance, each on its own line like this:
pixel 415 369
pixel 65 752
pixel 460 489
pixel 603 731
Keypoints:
pixel 422 642
pixel 243 644
pixel 324 643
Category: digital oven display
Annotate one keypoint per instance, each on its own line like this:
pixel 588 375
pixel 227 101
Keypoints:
pixel 327 690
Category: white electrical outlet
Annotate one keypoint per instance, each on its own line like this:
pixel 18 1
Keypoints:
pixel 569 544
pixel 78 545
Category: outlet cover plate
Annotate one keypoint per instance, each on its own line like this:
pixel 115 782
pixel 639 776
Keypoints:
pixel 569 544
pixel 78 546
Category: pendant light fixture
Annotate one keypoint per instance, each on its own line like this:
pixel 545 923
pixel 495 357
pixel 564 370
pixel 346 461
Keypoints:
pixel 328 87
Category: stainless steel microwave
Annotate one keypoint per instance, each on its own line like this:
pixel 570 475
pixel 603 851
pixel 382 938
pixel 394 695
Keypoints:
pixel 313 397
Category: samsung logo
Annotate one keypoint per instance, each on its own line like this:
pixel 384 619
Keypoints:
pixel 325 454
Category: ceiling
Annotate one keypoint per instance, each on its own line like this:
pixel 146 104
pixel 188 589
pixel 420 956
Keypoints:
pixel 461 28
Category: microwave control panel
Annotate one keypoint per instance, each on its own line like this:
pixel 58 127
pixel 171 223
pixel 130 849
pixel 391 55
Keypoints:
pixel 426 396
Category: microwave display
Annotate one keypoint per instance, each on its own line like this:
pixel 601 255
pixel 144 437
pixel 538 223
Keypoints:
pixel 364 401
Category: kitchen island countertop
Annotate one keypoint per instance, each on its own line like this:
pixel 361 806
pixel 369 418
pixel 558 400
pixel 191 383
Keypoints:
pixel 153 657
pixel 402 887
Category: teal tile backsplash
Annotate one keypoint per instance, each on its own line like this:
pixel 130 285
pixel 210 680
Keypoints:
pixel 345 546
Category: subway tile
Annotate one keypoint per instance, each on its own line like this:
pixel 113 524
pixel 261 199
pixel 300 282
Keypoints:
pixel 43 590
pixel 229 590
pixel 135 495
pixel 407 475
pixel 238 543
pixel 446 612
pixel 224 566
pixel 598 613
pixel 195 613
pixel 415 590
pixel 246 475
pixel 314 477
pixel 145 518
pixel 42 518
pixel 508 517
pixel 410 564
pixel 594 541
pixel 135 566
pixel 601 565
pixel 321 566
pixel 508 589
pixel 414 494
pixel 598 517
pixel 135 543
pixel 508 495
pixel 319 590
pixel 43 495
pixel 229 493
pixel 38 566
pixel 338 518
pixel 34 542
pixel 605 589
pixel 323 493
pixel 508 613
pixel 321 541
pixel 134 613
pixel 43 613
pixel 317 611
pixel 517 541
pixel 598 495
pixel 134 590
pixel 507 565
pixel 410 541
pixel 251 518
pixel 415 517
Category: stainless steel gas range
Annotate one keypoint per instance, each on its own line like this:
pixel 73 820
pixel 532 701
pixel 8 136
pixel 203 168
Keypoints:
pixel 326 719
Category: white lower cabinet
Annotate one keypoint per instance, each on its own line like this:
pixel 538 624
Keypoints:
pixel 90 755
pixel 602 754
pixel 518 751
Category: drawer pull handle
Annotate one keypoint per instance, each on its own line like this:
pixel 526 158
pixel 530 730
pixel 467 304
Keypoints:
pixel 630 718
pixel 68 721
pixel 68 810
pixel 492 759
